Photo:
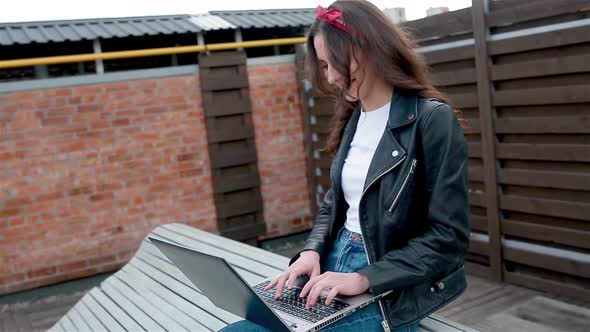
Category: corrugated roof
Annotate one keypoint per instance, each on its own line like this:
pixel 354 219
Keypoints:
pixel 269 18
pixel 89 29
pixel 209 22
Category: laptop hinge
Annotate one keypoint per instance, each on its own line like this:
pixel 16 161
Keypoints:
pixel 385 325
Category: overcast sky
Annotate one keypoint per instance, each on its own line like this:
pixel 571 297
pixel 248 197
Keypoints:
pixel 41 10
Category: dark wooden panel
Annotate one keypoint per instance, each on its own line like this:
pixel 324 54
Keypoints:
pixel 545 179
pixel 544 125
pixel 244 204
pixel 479 223
pixel 437 26
pixel 449 54
pixel 554 152
pixel 479 247
pixel 474 150
pixel 454 77
pixel 547 233
pixel 223 81
pixel 549 262
pixel 540 40
pixel 548 207
pixel 464 100
pixel 553 286
pixel 224 157
pixel 475 174
pixel 477 199
pixel 225 183
pixel 237 127
pixel 244 232
pixel 538 68
pixel 543 96
pixel 227 102
pixel 222 59
pixel 528 11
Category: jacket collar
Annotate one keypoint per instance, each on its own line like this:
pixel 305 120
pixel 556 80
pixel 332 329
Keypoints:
pixel 389 152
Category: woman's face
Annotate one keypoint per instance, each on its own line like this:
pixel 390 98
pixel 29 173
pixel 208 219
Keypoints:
pixel 358 73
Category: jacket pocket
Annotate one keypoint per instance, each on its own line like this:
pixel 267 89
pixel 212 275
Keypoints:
pixel 406 180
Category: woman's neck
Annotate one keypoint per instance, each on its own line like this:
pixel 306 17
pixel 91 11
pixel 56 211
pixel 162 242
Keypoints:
pixel 380 95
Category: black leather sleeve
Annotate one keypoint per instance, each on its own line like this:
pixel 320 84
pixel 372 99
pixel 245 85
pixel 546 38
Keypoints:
pixel 321 228
pixel 440 249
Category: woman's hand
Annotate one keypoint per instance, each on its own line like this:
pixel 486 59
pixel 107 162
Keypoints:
pixel 308 263
pixel 348 284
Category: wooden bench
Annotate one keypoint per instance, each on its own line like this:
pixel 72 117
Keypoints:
pixel 151 294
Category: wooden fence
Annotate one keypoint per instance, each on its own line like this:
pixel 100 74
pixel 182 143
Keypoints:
pixel 232 150
pixel 520 73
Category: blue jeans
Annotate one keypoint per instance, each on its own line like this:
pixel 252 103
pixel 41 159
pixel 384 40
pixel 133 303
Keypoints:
pixel 347 255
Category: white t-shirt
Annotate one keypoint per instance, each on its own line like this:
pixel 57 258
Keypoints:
pixel 369 130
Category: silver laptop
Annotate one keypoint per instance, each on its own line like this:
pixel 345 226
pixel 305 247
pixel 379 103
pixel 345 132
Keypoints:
pixel 228 291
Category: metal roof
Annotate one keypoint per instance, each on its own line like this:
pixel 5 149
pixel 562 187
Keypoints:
pixel 89 29
pixel 105 28
pixel 269 18
pixel 208 22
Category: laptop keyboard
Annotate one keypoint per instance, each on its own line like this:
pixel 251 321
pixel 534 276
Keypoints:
pixel 291 303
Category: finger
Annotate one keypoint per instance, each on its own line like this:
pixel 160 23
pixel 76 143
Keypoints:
pixel 315 292
pixel 272 282
pixel 280 286
pixel 294 274
pixel 316 271
pixel 332 295
pixel 310 283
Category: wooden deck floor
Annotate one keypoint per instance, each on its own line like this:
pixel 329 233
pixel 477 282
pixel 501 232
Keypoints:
pixel 485 306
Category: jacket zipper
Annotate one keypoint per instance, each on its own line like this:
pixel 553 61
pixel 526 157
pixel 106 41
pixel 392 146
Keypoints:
pixel 385 322
pixel 404 184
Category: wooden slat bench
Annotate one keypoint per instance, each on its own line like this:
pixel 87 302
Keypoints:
pixel 151 294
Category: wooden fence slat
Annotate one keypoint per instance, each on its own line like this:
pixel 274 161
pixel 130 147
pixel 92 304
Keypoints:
pixel 538 41
pixel 559 264
pixel 549 152
pixel 547 207
pixel 437 26
pixel 542 96
pixel 545 179
pixel 528 11
pixel 455 77
pixel 115 310
pixel 450 54
pixel 479 223
pixel 66 324
pixel 579 124
pixel 235 182
pixel 543 67
pixel 571 237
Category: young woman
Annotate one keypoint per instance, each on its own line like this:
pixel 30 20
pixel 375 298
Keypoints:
pixel 396 216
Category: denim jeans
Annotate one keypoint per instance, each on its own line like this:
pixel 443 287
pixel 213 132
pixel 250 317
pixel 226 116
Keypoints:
pixel 347 255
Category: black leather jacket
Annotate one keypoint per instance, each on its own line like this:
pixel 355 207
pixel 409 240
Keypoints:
pixel 414 210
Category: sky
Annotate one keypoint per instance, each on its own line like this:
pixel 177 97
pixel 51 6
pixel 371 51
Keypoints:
pixel 42 10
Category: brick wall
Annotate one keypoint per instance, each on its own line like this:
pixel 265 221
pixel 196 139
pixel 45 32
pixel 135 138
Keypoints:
pixel 87 171
pixel 276 113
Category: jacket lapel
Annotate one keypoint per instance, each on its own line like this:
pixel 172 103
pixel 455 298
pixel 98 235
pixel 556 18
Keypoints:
pixel 390 152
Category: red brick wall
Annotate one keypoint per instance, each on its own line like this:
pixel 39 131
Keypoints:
pixel 276 113
pixel 86 172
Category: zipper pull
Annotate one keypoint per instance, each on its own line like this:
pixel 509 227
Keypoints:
pixel 385 325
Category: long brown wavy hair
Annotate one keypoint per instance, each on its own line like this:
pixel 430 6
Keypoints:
pixel 383 44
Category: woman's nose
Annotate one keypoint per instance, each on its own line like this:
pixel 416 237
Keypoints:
pixel 332 76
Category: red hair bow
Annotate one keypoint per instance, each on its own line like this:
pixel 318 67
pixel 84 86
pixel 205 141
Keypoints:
pixel 332 16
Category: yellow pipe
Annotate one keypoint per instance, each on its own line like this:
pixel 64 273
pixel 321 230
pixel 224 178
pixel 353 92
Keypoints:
pixel 50 60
